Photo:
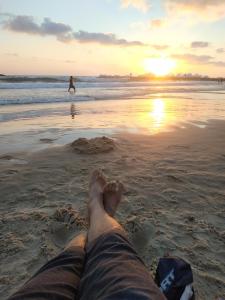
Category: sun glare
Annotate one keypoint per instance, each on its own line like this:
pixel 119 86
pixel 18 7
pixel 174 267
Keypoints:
pixel 158 111
pixel 159 66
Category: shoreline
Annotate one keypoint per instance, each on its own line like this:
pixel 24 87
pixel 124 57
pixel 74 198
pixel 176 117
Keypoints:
pixel 33 141
pixel 174 202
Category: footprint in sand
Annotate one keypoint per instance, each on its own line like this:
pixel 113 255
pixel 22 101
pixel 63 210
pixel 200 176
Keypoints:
pixel 70 217
pixel 61 234
pixel 174 178
pixel 66 222
pixel 141 233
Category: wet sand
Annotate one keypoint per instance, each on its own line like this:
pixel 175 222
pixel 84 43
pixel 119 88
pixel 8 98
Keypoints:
pixel 174 201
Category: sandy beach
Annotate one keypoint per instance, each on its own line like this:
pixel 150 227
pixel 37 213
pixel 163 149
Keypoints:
pixel 135 89
pixel 173 204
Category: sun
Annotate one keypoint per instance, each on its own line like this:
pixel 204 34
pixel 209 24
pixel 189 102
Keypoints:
pixel 159 66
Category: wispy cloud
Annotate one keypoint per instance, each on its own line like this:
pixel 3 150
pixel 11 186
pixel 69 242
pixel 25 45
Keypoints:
pixel 157 23
pixel 70 61
pixel 27 24
pixel 160 47
pixel 142 5
pixel 104 38
pixel 199 44
pixel 218 63
pixel 63 32
pixel 220 50
pixel 199 59
pixel 11 54
pixel 209 10
pixel 194 58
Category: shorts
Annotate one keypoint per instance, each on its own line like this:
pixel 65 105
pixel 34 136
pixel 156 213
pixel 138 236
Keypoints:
pixel 109 269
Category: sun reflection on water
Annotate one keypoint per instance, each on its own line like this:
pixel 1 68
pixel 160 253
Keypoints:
pixel 157 115
pixel 158 112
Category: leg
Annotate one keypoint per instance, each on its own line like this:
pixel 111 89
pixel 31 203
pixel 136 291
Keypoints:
pixel 113 270
pixel 100 221
pixel 59 278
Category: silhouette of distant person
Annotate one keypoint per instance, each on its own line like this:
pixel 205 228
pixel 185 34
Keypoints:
pixel 71 86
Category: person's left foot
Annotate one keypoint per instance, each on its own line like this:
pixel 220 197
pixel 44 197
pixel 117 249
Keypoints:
pixel 96 187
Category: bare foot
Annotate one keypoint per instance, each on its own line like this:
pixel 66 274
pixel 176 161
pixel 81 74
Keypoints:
pixel 96 188
pixel 112 196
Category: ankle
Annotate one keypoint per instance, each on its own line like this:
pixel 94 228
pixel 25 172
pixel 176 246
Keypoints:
pixel 95 204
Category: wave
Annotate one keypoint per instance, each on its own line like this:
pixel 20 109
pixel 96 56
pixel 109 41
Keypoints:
pixel 42 100
pixel 99 89
pixel 53 79
pixel 19 79
pixel 92 82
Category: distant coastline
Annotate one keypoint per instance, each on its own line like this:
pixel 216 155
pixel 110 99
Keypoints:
pixel 127 78
pixel 147 77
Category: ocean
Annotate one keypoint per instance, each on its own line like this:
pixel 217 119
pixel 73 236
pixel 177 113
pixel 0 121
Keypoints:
pixel 35 109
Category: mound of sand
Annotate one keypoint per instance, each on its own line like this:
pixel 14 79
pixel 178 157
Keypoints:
pixel 93 146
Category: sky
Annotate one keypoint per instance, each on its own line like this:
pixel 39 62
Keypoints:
pixel 92 37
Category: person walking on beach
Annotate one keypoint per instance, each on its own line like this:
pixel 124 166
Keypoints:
pixel 100 263
pixel 71 84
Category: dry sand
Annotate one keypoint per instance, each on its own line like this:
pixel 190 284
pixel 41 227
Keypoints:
pixel 174 201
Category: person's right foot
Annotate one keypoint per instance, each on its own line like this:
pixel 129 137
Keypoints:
pixel 112 196
pixel 96 188
pixel 96 184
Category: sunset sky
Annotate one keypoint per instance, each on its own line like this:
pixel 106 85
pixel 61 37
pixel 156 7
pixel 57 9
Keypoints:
pixel 91 37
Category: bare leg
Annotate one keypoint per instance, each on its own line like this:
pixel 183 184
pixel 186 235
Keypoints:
pixel 113 270
pixel 100 221
pixel 59 278
pixel 112 195
pixel 78 241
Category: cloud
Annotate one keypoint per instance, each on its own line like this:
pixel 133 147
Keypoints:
pixel 218 63
pixel 209 10
pixel 203 10
pixel 104 38
pixel 160 47
pixel 22 24
pixel 142 5
pixel 27 24
pixel 53 28
pixel 220 50
pixel 70 61
pixel 157 23
pixel 11 54
pixel 199 59
pixel 63 32
pixel 199 44
pixel 192 58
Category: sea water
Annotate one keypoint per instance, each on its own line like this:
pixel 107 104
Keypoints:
pixel 35 111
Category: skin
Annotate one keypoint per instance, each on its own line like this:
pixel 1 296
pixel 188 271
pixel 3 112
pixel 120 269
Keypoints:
pixel 100 221
pixel 104 199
